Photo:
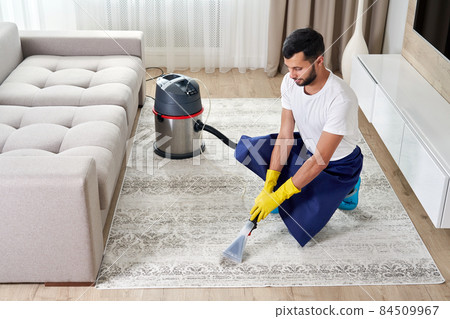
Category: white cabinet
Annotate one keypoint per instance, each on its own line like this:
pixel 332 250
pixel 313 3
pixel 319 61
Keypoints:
pixel 425 177
pixel 445 223
pixel 412 119
pixel 364 86
pixel 388 123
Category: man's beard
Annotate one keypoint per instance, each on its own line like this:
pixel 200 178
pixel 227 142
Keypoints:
pixel 309 79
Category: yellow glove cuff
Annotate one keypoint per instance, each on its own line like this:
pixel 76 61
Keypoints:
pixel 271 180
pixel 287 190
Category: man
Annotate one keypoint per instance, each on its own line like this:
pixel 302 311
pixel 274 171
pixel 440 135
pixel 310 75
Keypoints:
pixel 312 183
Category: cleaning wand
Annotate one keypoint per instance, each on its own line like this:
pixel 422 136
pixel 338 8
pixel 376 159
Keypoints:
pixel 235 251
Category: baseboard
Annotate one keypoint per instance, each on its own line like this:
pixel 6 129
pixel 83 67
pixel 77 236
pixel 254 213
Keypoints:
pixel 69 284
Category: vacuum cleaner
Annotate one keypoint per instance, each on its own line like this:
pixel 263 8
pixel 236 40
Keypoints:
pixel 178 112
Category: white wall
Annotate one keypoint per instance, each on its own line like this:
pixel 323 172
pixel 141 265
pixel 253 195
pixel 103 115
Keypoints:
pixel 395 26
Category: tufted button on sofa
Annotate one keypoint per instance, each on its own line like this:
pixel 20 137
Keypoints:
pixel 68 102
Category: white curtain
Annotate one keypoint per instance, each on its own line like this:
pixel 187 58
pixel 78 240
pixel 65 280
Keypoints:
pixel 39 14
pixel 179 34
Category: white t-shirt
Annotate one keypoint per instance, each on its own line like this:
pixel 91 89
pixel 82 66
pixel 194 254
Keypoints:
pixel 333 109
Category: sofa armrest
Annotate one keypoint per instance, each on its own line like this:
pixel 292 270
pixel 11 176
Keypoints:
pixel 10 52
pixel 50 222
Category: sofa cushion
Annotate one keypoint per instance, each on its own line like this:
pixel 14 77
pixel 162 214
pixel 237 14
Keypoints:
pixel 11 50
pixel 75 81
pixel 96 131
pixel 47 137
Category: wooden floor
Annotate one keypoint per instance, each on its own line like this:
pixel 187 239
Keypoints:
pixel 255 84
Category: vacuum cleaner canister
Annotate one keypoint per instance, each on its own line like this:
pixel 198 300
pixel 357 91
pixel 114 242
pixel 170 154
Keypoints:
pixel 177 108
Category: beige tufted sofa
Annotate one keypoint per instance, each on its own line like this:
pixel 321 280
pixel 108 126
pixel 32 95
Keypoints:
pixel 68 101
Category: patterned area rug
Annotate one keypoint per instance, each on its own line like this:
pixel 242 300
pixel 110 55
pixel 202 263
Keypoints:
pixel 175 217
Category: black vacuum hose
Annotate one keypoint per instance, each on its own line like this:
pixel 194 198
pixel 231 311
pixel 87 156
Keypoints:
pixel 199 125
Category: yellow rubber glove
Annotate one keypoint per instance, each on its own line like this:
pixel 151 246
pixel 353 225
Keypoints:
pixel 269 202
pixel 269 184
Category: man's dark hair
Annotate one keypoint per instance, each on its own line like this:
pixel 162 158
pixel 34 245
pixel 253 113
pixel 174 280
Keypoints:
pixel 307 40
